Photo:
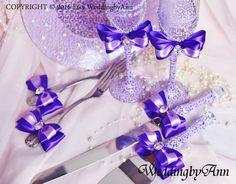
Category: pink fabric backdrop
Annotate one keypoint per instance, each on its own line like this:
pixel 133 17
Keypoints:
pixel 20 59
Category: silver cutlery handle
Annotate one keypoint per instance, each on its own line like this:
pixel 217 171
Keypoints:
pixel 174 142
pixel 31 100
pixel 32 140
pixel 207 98
pixel 61 87
pixel 66 110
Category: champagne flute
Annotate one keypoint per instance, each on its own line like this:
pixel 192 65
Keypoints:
pixel 178 20
pixel 126 18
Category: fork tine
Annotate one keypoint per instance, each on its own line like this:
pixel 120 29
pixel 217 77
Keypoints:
pixel 113 67
pixel 105 76
pixel 103 85
pixel 117 70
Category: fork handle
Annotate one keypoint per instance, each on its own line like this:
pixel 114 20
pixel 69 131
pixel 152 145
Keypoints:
pixel 63 112
pixel 32 140
pixel 61 87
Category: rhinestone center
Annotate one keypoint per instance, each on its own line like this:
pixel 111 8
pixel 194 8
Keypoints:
pixel 39 90
pixel 164 109
pixel 38 125
pixel 126 41
pixel 158 145
pixel 177 49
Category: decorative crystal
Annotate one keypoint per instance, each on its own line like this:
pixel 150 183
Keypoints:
pixel 39 90
pixel 126 41
pixel 164 109
pixel 38 125
pixel 158 145
pixel 177 49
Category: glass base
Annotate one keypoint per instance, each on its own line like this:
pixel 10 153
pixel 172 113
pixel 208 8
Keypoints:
pixel 176 93
pixel 128 90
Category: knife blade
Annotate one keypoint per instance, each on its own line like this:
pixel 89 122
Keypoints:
pixel 110 147
pixel 115 145
pixel 128 172
pixel 92 155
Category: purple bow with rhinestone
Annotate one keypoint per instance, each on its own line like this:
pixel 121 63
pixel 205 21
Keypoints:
pixel 166 160
pixel 191 47
pixel 49 135
pixel 47 100
pixel 114 39
pixel 171 123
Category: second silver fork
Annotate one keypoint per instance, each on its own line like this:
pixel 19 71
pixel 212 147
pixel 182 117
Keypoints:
pixel 31 100
pixel 101 86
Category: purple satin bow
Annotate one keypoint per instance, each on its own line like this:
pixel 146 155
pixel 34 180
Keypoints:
pixel 191 47
pixel 114 39
pixel 47 101
pixel 166 160
pixel 49 135
pixel 171 123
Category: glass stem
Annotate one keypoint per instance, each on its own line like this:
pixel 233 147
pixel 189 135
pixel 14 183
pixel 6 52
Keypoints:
pixel 172 75
pixel 129 62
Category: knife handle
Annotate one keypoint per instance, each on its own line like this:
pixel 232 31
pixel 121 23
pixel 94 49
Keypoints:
pixel 200 124
pixel 175 142
pixel 207 98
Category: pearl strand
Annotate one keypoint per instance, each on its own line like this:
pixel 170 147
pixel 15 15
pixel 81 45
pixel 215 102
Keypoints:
pixel 132 118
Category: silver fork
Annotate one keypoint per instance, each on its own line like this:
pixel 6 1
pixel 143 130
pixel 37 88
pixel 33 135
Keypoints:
pixel 31 100
pixel 101 86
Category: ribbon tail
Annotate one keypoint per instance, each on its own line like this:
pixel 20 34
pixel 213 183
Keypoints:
pixel 37 81
pixel 167 162
pixel 143 152
pixel 49 144
pixel 46 98
pixel 26 122
pixel 25 127
pixel 44 110
pixel 172 125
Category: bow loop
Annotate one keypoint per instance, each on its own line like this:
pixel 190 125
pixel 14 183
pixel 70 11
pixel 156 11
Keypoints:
pixel 154 104
pixel 157 108
pixel 26 123
pixel 47 101
pixel 113 38
pixel 37 84
pixel 172 124
pixel 191 47
pixel 49 135
pixel 164 158
pixel 147 143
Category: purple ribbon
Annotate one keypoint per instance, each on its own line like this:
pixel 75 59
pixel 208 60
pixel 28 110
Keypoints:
pixel 47 101
pixel 191 47
pixel 166 160
pixel 49 135
pixel 170 122
pixel 114 39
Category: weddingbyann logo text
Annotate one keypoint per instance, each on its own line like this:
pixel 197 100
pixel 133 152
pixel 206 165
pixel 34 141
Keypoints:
pixel 185 173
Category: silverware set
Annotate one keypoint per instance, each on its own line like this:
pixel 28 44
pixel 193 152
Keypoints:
pixel 104 80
